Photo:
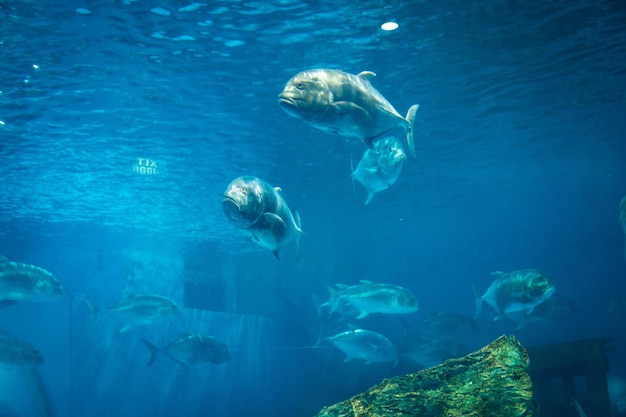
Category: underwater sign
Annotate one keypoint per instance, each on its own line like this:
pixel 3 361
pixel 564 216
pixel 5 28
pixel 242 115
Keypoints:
pixel 145 166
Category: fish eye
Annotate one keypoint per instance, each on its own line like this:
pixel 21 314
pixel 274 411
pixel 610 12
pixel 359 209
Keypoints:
pixel 299 85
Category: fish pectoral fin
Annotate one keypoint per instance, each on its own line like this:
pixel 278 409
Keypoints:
pixel 274 219
pixel 362 315
pixel 530 310
pixel 347 106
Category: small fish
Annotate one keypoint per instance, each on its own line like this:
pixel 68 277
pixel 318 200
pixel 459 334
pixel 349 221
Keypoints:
pixel 447 326
pixel 259 211
pixel 192 349
pixel 380 167
pixel 516 291
pixel 27 283
pixel 344 104
pixel 622 218
pixel 141 310
pixel 18 354
pixel 365 345
pixel 369 297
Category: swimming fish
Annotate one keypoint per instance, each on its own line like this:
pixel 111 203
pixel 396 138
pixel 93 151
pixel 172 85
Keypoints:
pixel 18 354
pixel 344 104
pixel 29 283
pixel 141 310
pixel 259 212
pixel 555 308
pixel 516 291
pixel 429 352
pixel 192 349
pixel 447 326
pixel 622 218
pixel 369 297
pixel 365 345
pixel 380 166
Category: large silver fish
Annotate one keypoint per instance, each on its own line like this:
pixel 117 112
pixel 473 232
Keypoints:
pixel 18 354
pixel 380 167
pixel 141 310
pixel 365 345
pixel 622 218
pixel 369 297
pixel 23 282
pixel 192 349
pixel 516 291
pixel 344 104
pixel 259 211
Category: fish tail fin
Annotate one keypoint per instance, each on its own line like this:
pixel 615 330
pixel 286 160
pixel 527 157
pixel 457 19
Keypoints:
pixel 95 312
pixel 356 197
pixel 153 351
pixel 479 303
pixel 296 217
pixel 370 196
pixel 410 117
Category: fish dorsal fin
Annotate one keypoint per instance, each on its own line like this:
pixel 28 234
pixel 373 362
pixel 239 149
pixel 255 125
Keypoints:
pixel 497 273
pixel 278 189
pixel 3 259
pixel 341 286
pixel 366 281
pixel 352 327
pixel 366 75
pixel 185 333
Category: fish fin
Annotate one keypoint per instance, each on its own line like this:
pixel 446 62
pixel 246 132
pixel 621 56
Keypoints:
pixel 366 75
pixel 126 328
pixel 479 303
pixel 362 315
pixel 347 106
pixel 530 310
pixel 497 273
pixel 274 218
pixel 370 196
pixel 352 176
pixel 95 312
pixel 153 351
pixel 498 316
pixel 334 299
pixel 278 189
pixel 366 281
pixel 298 224
pixel 276 254
pixel 520 326
pixel 410 118
pixel 3 259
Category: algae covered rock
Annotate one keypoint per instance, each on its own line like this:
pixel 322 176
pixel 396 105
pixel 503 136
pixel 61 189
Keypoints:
pixel 491 382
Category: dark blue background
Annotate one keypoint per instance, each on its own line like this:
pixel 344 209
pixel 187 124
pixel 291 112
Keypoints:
pixel 520 163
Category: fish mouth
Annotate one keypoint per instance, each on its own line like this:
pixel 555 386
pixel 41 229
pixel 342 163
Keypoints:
pixel 231 207
pixel 285 100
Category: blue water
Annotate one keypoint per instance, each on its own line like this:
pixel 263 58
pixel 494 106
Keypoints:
pixel 521 163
